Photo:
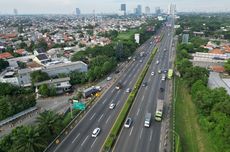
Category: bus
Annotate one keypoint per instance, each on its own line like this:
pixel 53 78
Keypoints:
pixel 170 73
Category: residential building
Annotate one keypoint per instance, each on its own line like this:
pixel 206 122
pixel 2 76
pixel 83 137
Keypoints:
pixel 51 70
pixel 6 55
pixel 61 85
pixel 9 76
pixel 42 59
pixel 185 38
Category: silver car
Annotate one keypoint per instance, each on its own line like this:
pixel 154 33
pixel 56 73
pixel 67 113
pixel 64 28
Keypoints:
pixel 96 131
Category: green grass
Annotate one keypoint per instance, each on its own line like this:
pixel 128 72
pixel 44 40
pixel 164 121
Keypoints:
pixel 192 137
pixel 126 35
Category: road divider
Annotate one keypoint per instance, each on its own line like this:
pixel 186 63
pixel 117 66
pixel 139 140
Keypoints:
pixel 114 132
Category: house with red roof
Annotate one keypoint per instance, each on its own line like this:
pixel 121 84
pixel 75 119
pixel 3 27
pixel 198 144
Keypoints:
pixel 6 55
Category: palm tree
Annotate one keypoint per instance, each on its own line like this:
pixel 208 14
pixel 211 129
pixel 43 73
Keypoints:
pixel 49 122
pixel 28 139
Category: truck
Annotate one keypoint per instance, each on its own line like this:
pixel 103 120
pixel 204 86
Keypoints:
pixel 159 110
pixel 91 91
pixel 147 120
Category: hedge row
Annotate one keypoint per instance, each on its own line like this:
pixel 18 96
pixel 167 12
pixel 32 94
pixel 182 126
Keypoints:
pixel 110 140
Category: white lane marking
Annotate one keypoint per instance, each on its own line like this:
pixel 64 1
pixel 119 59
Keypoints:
pixel 104 101
pixel 92 116
pixel 113 90
pixel 94 142
pixel 125 81
pixel 84 140
pixel 142 98
pixel 141 132
pixel 138 111
pixel 118 102
pixel 107 120
pixel 112 101
pixel 75 138
pixel 130 82
pixel 100 117
pixel 151 134
pixel 129 75
pixel 131 131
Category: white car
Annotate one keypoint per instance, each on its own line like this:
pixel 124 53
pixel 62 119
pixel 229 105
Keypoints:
pixel 96 131
pixel 112 106
pixel 152 73
pixel 108 78
pixel 157 62
pixel 128 90
pixel 128 122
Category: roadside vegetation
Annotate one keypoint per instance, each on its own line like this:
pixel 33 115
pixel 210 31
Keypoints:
pixel 14 99
pixel 37 137
pixel 213 25
pixel 202 124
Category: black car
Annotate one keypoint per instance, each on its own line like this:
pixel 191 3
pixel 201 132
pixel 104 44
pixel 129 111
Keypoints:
pixel 117 71
pixel 162 89
pixel 144 84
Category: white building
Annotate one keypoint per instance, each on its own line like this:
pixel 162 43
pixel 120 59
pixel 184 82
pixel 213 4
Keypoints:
pixel 137 38
pixel 52 71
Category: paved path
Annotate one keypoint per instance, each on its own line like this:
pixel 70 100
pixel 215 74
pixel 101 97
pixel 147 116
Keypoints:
pixel 215 81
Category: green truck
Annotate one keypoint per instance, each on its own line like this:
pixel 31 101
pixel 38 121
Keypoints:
pixel 159 110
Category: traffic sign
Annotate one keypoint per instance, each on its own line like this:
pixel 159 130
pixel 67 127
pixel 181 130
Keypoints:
pixel 79 105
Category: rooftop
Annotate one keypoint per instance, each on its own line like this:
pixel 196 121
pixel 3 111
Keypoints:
pixel 52 81
pixel 5 55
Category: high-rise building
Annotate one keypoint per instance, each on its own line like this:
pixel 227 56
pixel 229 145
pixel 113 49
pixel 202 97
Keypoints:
pixel 123 8
pixel 158 10
pixel 139 10
pixel 15 11
pixel 78 12
pixel 147 10
pixel 171 9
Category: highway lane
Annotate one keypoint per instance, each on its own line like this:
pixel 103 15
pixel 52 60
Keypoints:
pixel 138 138
pixel 80 137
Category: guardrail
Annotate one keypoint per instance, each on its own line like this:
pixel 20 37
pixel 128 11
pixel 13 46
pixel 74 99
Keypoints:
pixel 17 116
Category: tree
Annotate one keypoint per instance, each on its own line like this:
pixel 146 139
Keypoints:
pixel 196 73
pixel 5 110
pixel 21 65
pixel 227 66
pixel 52 91
pixel 44 90
pixel 119 51
pixel 79 95
pixel 42 44
pixel 29 139
pixel 38 76
pixel 23 45
pixel 3 64
pixel 49 123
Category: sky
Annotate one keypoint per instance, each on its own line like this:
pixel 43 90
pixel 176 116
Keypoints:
pixel 107 6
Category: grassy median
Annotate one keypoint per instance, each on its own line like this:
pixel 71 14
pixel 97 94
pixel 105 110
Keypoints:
pixel 192 137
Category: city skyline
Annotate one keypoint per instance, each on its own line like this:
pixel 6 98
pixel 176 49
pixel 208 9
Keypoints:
pixel 107 6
